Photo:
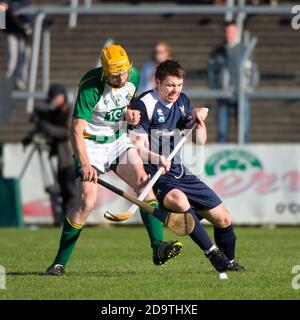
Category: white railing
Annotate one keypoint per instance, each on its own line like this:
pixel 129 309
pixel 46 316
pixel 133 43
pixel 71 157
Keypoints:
pixel 239 9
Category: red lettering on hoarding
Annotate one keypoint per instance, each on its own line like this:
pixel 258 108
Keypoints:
pixel 293 180
pixel 266 182
pixel 231 185
pixel 261 182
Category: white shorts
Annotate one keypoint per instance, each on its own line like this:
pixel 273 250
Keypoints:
pixel 102 155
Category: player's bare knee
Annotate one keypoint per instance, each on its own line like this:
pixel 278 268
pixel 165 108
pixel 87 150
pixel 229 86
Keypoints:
pixel 176 200
pixel 224 220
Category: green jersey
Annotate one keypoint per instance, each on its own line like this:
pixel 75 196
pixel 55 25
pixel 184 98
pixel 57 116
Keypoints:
pixel 101 105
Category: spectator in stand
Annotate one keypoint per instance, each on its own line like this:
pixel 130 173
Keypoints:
pixel 18 34
pixel 162 52
pixel 223 73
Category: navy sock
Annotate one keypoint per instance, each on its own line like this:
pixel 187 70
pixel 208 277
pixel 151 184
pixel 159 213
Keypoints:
pixel 225 239
pixel 160 214
pixel 199 234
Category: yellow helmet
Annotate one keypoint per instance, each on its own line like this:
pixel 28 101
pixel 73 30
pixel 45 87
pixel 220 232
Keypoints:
pixel 114 60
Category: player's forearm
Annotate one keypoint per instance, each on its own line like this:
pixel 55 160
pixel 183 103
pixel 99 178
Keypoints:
pixel 78 144
pixel 146 155
pixel 200 134
pixel 79 150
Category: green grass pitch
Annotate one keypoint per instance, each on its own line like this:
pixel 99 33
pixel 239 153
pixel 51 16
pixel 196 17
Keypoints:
pixel 115 263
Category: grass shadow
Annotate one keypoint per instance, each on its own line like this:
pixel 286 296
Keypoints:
pixel 105 274
pixel 26 273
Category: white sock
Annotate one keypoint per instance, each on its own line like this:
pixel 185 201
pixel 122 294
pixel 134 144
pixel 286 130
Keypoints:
pixel 210 249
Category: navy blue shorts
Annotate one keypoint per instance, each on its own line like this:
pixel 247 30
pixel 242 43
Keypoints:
pixel 200 196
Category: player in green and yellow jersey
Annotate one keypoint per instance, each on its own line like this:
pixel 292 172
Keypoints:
pixel 100 144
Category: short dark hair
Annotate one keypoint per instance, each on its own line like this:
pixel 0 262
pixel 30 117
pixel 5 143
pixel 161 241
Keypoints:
pixel 56 89
pixel 229 23
pixel 169 68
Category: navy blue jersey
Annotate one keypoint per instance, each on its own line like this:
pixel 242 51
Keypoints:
pixel 163 124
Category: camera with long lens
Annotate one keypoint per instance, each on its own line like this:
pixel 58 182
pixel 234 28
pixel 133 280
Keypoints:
pixel 39 118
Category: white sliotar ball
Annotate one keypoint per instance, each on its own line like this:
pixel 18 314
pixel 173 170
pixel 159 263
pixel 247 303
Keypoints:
pixel 222 276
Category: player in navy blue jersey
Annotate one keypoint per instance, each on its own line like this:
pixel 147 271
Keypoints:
pixel 165 112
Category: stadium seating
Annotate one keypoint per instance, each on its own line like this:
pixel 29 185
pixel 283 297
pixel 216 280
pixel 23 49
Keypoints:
pixel 192 37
